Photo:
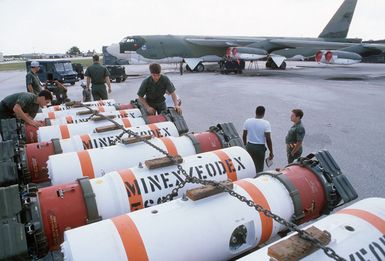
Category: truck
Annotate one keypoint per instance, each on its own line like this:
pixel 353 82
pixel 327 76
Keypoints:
pixel 117 73
pixel 61 70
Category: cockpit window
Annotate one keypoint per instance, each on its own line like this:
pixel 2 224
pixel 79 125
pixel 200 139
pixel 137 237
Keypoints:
pixel 131 43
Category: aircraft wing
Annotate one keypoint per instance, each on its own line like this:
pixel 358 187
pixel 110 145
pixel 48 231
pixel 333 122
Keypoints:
pixel 293 43
pixel 363 49
pixel 274 44
pixel 267 45
pixel 366 49
pixel 218 42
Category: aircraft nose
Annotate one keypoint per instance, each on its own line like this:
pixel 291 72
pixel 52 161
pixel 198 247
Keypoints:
pixel 131 43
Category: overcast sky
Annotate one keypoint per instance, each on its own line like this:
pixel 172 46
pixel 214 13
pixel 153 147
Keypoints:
pixel 53 26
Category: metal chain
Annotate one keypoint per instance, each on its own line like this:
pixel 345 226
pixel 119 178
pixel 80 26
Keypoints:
pixel 291 226
pixel 190 179
pixel 129 132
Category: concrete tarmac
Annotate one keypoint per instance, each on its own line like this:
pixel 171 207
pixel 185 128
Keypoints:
pixel 344 108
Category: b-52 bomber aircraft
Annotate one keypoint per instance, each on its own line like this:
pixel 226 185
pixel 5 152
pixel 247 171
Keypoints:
pixel 331 46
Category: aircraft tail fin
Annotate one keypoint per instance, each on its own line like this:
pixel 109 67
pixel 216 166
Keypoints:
pixel 338 26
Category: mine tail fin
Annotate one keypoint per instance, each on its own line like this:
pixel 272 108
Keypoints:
pixel 338 26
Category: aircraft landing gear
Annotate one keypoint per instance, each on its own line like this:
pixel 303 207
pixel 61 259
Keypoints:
pixel 199 68
pixel 270 64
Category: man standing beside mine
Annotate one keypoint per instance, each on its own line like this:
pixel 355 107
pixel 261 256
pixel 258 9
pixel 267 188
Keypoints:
pixel 295 136
pixel 257 133
pixel 32 79
pixel 98 75
pixel 152 90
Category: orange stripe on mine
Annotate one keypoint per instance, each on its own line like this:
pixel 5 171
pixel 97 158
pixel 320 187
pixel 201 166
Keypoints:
pixel 101 109
pixel 131 239
pixel 86 141
pixel 258 198
pixel 170 146
pixel 155 130
pixel 227 164
pixel 126 122
pixel 86 164
pixel 374 220
pixel 132 187
pixel 69 119
pixel 51 115
pixel 65 133
pixel 123 113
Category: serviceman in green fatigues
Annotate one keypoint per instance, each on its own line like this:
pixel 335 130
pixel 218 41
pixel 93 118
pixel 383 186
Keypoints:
pixel 98 75
pixel 24 106
pixel 295 136
pixel 152 90
pixel 57 89
pixel 32 80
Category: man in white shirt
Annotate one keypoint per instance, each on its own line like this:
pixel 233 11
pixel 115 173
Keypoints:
pixel 257 133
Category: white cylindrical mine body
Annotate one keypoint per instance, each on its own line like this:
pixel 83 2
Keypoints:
pixel 219 227
pixel 63 107
pixel 65 131
pixel 123 191
pixel 76 119
pixel 73 111
pixel 105 139
pixel 357 233
pixel 63 168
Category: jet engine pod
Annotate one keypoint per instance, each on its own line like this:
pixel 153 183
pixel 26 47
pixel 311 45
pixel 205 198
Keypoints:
pixel 337 57
pixel 246 53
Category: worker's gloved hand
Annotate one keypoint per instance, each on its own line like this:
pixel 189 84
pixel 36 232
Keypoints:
pixel 151 111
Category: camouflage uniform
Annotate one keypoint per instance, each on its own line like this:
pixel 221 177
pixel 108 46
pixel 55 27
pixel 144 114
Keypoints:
pixel 34 80
pixel 98 73
pixel 295 134
pixel 26 100
pixel 155 91
pixel 60 93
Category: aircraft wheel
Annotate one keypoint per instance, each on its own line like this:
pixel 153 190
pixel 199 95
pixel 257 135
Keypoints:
pixel 268 63
pixel 118 79
pixel 200 67
pixel 283 66
pixel 273 65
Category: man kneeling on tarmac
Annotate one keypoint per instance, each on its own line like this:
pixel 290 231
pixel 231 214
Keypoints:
pixel 58 89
